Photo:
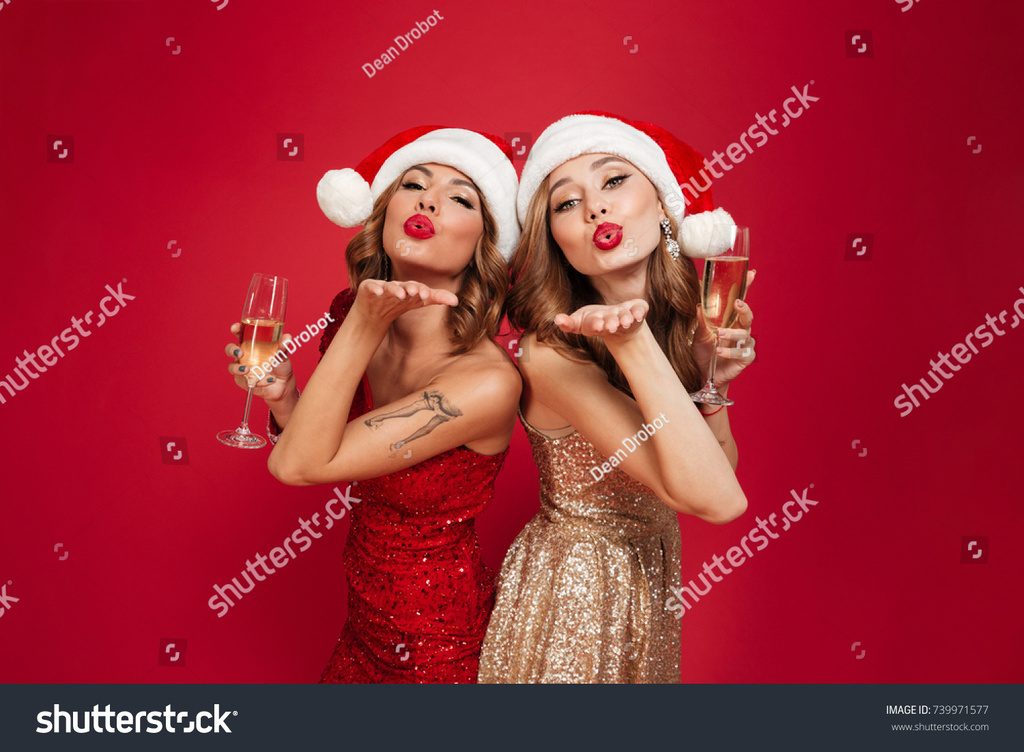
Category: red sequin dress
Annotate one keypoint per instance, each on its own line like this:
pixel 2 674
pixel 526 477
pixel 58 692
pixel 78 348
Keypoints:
pixel 419 594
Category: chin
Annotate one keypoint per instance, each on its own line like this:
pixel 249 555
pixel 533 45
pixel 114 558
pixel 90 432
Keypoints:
pixel 417 263
pixel 615 263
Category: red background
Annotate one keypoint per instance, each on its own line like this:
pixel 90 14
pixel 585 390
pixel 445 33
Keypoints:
pixel 182 147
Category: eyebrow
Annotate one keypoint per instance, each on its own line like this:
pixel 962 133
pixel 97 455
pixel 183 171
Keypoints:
pixel 467 183
pixel 456 181
pixel 599 163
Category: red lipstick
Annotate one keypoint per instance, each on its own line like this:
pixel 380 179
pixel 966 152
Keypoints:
pixel 607 236
pixel 419 227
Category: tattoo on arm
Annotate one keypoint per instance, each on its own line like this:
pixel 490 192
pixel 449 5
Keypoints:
pixel 433 401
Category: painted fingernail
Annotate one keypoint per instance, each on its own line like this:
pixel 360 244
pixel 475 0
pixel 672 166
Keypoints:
pixel 739 303
pixel 236 352
pixel 241 369
pixel 270 379
pixel 720 350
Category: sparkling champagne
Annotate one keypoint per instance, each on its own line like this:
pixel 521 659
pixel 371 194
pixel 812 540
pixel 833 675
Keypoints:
pixel 725 281
pixel 259 340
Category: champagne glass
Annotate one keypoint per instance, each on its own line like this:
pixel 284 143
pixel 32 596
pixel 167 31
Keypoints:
pixel 262 327
pixel 725 282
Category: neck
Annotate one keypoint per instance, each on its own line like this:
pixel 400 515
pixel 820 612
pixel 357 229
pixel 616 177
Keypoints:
pixel 620 286
pixel 423 331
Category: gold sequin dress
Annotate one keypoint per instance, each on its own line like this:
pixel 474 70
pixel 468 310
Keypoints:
pixel 582 591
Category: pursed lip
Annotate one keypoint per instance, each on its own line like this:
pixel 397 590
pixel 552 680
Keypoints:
pixel 419 227
pixel 608 235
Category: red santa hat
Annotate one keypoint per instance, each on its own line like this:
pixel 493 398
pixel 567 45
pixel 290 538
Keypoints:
pixel 666 161
pixel 346 196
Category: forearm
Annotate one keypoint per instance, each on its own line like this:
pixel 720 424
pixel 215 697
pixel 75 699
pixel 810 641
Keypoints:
pixel 717 419
pixel 316 423
pixel 694 470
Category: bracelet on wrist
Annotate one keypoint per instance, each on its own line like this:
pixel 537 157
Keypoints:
pixel 708 415
pixel 273 430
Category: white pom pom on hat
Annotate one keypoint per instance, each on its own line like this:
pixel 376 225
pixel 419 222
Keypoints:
pixel 666 161
pixel 346 196
pixel 697 236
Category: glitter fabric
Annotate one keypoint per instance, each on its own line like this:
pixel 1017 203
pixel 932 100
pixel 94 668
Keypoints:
pixel 419 593
pixel 582 591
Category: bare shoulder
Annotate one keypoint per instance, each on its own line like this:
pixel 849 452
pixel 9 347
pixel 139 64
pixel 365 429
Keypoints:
pixel 544 368
pixel 485 374
pixel 485 386
pixel 558 390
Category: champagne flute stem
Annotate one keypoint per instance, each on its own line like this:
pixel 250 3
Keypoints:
pixel 714 362
pixel 245 418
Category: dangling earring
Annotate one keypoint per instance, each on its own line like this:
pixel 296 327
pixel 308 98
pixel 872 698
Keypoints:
pixel 670 244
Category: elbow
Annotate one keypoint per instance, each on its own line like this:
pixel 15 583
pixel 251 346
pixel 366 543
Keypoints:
pixel 287 472
pixel 719 510
pixel 727 509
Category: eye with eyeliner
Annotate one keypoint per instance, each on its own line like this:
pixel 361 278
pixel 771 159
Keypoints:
pixel 412 185
pixel 609 183
pixel 565 205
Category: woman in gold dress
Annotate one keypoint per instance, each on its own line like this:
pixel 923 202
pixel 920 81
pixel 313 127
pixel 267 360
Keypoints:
pixel 613 343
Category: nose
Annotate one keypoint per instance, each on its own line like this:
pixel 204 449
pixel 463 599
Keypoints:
pixel 429 200
pixel 595 205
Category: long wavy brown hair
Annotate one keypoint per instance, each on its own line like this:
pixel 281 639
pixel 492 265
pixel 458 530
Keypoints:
pixel 545 284
pixel 485 282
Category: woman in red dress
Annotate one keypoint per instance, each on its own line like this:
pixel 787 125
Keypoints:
pixel 412 399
